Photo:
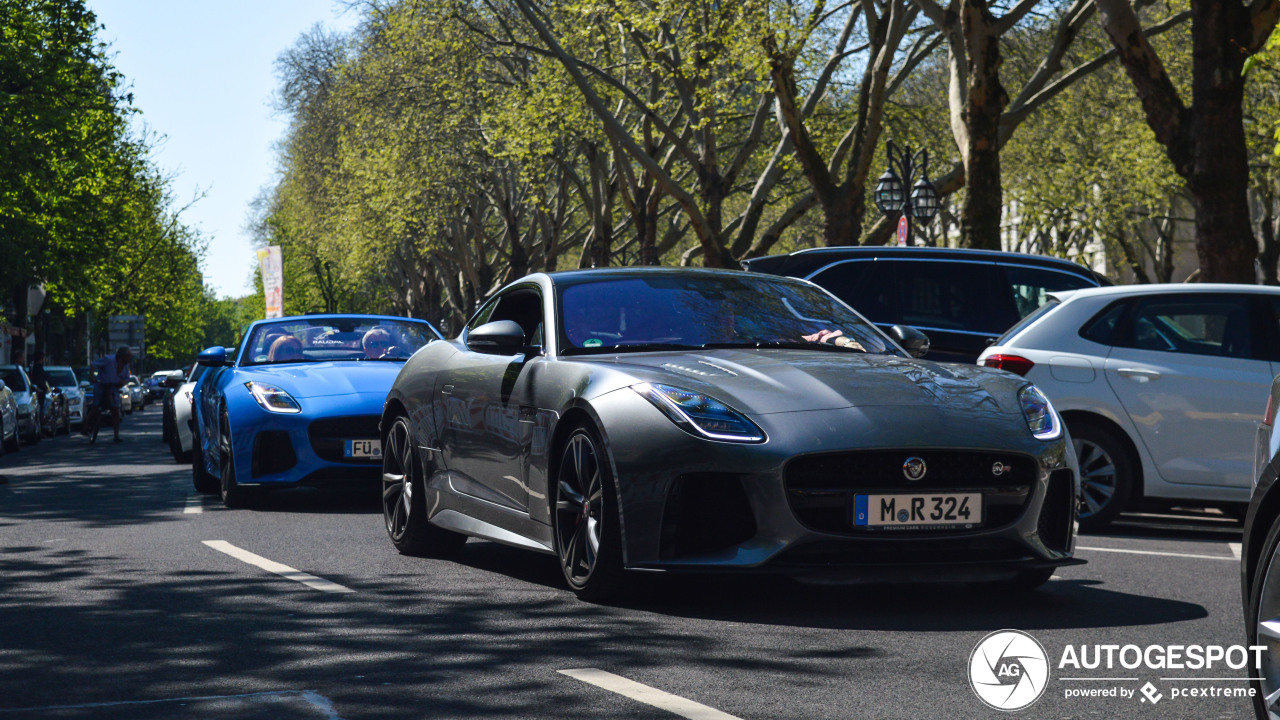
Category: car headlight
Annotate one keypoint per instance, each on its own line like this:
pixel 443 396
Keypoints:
pixel 272 398
pixel 700 415
pixel 1041 418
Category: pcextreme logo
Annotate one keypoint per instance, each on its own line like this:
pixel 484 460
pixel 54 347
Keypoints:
pixel 1008 670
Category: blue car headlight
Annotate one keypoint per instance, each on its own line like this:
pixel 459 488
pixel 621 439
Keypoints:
pixel 1041 418
pixel 272 398
pixel 700 414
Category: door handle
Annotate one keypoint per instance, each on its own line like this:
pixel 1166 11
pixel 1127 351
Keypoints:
pixel 1138 374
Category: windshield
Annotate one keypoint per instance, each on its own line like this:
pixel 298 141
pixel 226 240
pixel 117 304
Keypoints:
pixel 672 311
pixel 338 338
pixel 13 379
pixel 61 378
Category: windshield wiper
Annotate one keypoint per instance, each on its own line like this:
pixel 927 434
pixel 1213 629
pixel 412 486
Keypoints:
pixel 784 345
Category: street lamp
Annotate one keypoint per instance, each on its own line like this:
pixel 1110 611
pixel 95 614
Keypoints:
pixel 891 196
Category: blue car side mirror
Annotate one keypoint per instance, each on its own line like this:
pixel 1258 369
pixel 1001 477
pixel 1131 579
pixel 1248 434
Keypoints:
pixel 213 357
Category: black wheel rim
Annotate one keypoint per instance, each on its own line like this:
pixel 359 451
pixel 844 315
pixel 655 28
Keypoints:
pixel 579 509
pixel 1097 477
pixel 225 464
pixel 1268 633
pixel 398 480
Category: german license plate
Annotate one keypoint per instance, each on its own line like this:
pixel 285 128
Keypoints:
pixel 915 510
pixel 362 448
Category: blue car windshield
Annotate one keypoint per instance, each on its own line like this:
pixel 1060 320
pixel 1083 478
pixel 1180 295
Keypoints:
pixel 676 311
pixel 336 339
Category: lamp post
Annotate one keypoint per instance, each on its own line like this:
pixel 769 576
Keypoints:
pixel 891 196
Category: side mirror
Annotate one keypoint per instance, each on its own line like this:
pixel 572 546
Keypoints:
pixel 213 357
pixel 503 337
pixel 912 340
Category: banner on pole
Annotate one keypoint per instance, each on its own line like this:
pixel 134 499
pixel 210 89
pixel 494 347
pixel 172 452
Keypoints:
pixel 272 280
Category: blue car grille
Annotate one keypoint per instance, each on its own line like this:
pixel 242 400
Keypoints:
pixel 327 437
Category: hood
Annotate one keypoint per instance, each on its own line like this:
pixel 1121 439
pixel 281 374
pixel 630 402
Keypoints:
pixel 761 382
pixel 306 380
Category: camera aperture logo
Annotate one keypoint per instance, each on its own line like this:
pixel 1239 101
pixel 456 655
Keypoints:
pixel 1008 670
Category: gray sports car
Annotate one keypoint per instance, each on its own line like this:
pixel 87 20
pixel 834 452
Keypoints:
pixel 699 420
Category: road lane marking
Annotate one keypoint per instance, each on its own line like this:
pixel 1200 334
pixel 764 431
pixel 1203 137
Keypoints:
pixel 313 698
pixel 195 505
pixel 1163 554
pixel 284 571
pixel 1235 549
pixel 647 695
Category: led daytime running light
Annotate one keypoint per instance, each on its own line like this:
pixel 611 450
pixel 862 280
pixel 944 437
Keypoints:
pixel 1042 420
pixel 701 415
pixel 272 398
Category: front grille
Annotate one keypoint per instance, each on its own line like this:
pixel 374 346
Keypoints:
pixel 821 488
pixel 705 512
pixel 272 453
pixel 327 437
pixel 1058 514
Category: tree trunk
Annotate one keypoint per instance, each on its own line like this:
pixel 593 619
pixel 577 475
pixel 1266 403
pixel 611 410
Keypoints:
pixel 984 199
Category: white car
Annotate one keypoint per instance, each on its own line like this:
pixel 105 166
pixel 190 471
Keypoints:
pixel 1161 387
pixel 180 440
pixel 15 378
pixel 62 376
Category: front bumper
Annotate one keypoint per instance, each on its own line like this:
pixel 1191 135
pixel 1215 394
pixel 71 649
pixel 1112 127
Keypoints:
pixel 693 504
pixel 291 449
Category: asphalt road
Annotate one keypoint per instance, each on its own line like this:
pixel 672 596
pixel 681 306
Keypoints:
pixel 125 595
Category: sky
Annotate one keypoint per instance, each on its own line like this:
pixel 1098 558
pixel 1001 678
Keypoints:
pixel 203 76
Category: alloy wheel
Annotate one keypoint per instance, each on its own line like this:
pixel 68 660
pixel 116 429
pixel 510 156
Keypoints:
pixel 579 509
pixel 398 480
pixel 1097 477
pixel 1268 631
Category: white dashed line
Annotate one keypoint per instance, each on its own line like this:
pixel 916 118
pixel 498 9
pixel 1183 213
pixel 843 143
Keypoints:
pixel 195 505
pixel 1235 549
pixel 1163 554
pixel 647 695
pixel 284 571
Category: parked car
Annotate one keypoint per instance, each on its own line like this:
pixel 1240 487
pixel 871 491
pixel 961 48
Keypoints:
pixel 15 378
pixel 10 438
pixel 178 404
pixel 64 378
pixel 126 400
pixel 1161 387
pixel 1260 559
pixel 298 403
pixel 688 407
pixel 963 299
pixel 137 393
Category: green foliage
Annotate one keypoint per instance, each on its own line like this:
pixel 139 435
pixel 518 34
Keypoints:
pixel 82 209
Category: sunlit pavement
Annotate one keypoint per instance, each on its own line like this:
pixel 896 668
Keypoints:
pixel 125 595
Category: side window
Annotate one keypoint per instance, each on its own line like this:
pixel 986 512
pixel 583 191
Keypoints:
pixel 1205 325
pixel 482 315
pixel 1030 286
pixel 863 285
pixel 1102 328
pixel 951 296
pixel 524 307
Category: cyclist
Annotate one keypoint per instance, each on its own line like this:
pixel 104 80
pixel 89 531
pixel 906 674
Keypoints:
pixel 113 373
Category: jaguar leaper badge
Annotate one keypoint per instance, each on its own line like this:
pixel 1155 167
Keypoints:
pixel 914 468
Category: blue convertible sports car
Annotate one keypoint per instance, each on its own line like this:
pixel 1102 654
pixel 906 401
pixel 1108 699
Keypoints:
pixel 298 403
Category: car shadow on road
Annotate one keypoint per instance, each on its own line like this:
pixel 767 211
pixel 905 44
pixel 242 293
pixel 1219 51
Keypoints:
pixel 1175 524
pixel 774 600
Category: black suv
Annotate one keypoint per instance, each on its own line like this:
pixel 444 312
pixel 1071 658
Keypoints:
pixel 962 299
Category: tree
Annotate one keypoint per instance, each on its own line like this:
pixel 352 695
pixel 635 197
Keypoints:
pixel 1205 141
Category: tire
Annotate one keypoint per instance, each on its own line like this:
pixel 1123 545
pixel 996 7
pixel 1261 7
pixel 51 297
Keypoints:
pixel 34 438
pixel 404 502
pixel 10 445
pixel 204 482
pixel 585 526
pixel 175 449
pixel 234 495
pixel 1263 600
pixel 1107 478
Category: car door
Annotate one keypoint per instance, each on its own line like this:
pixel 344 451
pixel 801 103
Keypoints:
pixel 1189 370
pixel 487 407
